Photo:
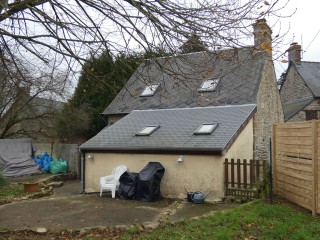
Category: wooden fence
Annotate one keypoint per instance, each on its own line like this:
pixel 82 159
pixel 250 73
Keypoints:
pixel 243 178
pixel 295 162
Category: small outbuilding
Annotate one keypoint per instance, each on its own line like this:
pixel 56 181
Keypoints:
pixel 190 143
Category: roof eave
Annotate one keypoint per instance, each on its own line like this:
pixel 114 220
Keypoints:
pixel 143 150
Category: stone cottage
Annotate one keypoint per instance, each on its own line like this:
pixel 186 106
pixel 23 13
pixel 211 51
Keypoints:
pixel 300 88
pixel 230 95
pixel 224 77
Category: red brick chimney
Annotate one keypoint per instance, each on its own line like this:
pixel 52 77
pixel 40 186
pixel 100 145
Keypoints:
pixel 262 35
pixel 294 52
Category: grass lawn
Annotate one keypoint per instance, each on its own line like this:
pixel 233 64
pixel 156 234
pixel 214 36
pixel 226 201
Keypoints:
pixel 255 220
pixel 10 191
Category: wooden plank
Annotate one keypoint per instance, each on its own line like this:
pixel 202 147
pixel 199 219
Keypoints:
pixel 300 200
pixel 238 173
pixel 274 158
pixel 294 147
pixel 252 177
pixel 301 150
pixel 314 168
pixel 232 172
pixel 300 142
pixel 307 133
pixel 245 173
pixel 226 173
pixel 290 131
pixel 305 168
pixel 296 190
pixel 295 181
pixel 295 125
pixel 295 160
pixel 296 175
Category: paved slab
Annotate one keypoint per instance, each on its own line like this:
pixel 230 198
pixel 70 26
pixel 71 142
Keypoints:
pixel 68 209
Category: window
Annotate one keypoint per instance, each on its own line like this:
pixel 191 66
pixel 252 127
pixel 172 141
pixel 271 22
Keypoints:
pixel 147 131
pixel 311 114
pixel 209 85
pixel 149 90
pixel 206 129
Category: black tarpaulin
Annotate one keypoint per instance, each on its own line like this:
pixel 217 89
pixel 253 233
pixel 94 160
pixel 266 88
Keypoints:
pixel 149 182
pixel 128 185
pixel 16 157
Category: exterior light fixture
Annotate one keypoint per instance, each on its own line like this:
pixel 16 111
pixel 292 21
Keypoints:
pixel 180 159
pixel 90 156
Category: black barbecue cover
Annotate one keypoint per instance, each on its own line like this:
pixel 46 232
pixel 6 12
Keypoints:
pixel 128 185
pixel 149 182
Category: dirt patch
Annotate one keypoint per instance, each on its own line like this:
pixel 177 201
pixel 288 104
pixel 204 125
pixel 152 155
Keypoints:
pixel 189 210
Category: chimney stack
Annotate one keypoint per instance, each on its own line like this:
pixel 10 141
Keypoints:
pixel 262 35
pixel 294 53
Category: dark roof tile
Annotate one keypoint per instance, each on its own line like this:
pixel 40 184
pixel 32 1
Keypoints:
pixel 176 130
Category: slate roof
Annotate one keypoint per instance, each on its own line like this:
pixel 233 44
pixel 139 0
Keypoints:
pixel 291 108
pixel 180 77
pixel 176 130
pixel 310 73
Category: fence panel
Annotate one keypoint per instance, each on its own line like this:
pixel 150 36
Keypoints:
pixel 243 178
pixel 67 152
pixel 295 162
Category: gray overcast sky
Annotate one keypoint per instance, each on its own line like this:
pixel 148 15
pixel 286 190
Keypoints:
pixel 304 29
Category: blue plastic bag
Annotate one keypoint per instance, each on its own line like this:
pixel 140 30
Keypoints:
pixel 43 160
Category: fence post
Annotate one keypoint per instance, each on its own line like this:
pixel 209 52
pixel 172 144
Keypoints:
pixel 238 173
pixel 226 173
pixel 232 172
pixel 245 173
pixel 314 166
pixel 251 173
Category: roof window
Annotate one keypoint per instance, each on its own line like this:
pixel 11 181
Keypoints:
pixel 206 129
pixel 147 131
pixel 209 85
pixel 149 90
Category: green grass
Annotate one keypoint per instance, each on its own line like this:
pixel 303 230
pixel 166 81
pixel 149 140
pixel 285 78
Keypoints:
pixel 255 220
pixel 11 190
pixel 3 181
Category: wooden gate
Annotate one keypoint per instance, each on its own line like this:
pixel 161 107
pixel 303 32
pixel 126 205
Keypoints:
pixel 244 178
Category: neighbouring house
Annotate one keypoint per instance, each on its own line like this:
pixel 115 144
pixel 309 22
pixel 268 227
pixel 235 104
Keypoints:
pixel 232 92
pixel 191 144
pixel 224 77
pixel 300 88
pixel 31 117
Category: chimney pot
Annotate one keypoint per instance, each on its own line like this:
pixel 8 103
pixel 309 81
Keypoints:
pixel 294 53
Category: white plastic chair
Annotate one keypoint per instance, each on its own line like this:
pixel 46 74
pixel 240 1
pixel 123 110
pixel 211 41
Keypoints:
pixel 111 182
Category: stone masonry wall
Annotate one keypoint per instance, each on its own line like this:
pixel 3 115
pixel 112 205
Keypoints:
pixel 294 87
pixel 269 111
pixel 301 116
pixel 114 118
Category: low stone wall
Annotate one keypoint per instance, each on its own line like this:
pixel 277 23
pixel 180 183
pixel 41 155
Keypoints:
pixel 68 152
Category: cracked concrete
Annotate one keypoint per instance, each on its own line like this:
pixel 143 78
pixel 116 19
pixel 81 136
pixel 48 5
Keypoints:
pixel 68 209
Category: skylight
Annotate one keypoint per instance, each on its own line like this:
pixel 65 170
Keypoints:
pixel 149 90
pixel 147 131
pixel 206 129
pixel 209 85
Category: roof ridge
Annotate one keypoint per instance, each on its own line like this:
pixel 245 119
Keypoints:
pixel 189 108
